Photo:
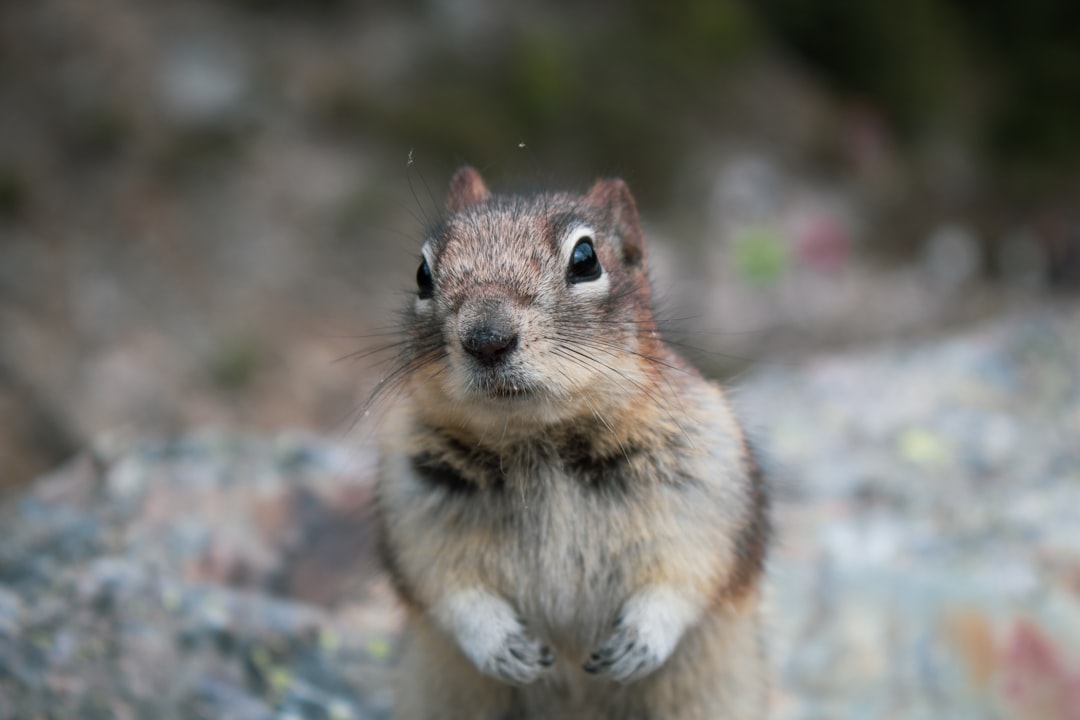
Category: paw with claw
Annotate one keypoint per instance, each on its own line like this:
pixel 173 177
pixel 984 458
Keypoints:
pixel 494 638
pixel 644 635
pixel 514 657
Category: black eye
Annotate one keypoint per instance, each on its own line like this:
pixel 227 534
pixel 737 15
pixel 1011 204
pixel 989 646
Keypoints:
pixel 584 265
pixel 424 284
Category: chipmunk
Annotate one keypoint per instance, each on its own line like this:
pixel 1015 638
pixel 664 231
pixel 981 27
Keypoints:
pixel 569 511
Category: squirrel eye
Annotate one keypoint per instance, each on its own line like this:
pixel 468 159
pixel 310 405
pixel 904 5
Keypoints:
pixel 584 265
pixel 424 283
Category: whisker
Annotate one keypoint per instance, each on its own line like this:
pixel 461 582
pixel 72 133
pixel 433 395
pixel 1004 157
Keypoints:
pixel 615 349
pixel 641 387
pixel 369 352
pixel 603 421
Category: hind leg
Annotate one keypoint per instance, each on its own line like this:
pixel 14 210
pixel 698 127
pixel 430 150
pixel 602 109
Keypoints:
pixel 435 681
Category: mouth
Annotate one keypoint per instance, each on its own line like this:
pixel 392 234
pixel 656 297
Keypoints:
pixel 504 390
pixel 509 392
pixel 495 386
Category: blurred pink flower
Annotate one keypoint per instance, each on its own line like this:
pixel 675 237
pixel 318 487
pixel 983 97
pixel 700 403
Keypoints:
pixel 823 242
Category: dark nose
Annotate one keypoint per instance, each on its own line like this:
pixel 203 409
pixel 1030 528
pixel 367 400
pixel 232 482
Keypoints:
pixel 489 342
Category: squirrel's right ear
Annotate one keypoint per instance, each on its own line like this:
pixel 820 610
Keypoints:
pixel 466 188
pixel 612 196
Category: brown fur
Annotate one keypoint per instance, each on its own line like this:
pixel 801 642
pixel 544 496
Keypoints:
pixel 589 469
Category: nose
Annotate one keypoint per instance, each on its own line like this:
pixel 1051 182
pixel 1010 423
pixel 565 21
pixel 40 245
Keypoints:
pixel 490 342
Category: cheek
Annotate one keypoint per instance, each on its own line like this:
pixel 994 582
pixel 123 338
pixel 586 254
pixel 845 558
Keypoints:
pixel 427 352
pixel 566 349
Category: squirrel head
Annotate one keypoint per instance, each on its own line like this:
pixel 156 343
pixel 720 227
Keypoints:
pixel 531 308
pixel 609 198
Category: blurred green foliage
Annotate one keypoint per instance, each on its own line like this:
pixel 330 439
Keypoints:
pixel 189 154
pixel 904 58
pixel 12 193
pixel 1032 49
pixel 589 88
pixel 759 254
pixel 623 88
pixel 1016 65
pixel 235 364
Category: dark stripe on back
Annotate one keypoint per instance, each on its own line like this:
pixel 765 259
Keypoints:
pixel 613 472
pixel 389 560
pixel 440 474
pixel 456 466
pixel 628 468
pixel 753 539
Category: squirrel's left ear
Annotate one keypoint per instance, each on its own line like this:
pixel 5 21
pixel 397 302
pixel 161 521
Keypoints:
pixel 466 188
pixel 613 198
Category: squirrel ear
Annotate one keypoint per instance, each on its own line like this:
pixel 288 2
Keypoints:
pixel 613 197
pixel 466 188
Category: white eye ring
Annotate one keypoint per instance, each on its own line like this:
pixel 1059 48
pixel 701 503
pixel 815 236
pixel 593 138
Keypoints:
pixel 423 301
pixel 425 250
pixel 596 287
pixel 576 234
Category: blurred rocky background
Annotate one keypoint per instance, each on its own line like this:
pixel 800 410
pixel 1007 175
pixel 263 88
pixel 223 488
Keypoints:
pixel 209 212
pixel 204 204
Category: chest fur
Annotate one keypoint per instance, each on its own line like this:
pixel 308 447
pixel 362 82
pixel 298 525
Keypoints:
pixel 564 548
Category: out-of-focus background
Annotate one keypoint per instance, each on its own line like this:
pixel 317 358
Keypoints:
pixel 204 204
pixel 864 216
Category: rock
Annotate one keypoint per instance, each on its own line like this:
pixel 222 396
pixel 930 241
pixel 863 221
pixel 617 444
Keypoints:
pixel 157 593
pixel 927 561
pixel 923 491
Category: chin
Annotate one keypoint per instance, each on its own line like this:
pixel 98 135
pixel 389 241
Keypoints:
pixel 523 412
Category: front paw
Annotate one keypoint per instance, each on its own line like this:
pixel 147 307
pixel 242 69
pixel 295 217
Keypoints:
pixel 492 636
pixel 514 656
pixel 625 655
pixel 644 636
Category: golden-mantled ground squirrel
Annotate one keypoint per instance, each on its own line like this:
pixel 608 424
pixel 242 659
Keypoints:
pixel 568 509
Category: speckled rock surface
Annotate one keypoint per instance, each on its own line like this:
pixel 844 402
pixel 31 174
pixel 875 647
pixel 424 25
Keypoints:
pixel 215 576
pixel 927 562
